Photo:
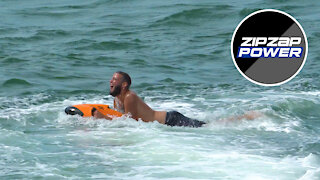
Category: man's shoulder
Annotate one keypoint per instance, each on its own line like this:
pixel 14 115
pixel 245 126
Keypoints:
pixel 131 95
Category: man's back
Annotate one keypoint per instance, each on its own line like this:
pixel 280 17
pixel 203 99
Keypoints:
pixel 134 105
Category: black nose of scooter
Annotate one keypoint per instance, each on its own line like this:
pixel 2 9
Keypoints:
pixel 73 111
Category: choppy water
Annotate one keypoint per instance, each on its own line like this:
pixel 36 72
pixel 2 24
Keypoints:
pixel 55 54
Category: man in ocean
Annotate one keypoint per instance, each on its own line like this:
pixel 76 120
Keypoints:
pixel 127 102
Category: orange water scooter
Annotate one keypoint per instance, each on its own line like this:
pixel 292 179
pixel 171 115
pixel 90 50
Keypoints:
pixel 86 110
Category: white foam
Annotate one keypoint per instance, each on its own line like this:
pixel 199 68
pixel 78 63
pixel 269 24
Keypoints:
pixel 161 151
pixel 311 175
pixel 312 93
pixel 311 161
pixel 312 164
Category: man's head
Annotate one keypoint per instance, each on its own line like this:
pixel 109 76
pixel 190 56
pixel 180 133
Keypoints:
pixel 120 81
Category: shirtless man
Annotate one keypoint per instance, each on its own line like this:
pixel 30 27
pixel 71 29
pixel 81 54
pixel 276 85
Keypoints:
pixel 127 102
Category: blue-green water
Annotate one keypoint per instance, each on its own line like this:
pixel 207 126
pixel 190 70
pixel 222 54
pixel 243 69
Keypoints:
pixel 55 54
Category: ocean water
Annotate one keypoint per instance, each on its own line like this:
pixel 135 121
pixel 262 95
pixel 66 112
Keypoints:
pixel 58 53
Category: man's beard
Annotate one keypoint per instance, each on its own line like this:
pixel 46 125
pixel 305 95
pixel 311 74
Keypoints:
pixel 116 91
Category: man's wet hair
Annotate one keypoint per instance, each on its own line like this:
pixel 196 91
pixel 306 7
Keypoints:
pixel 125 77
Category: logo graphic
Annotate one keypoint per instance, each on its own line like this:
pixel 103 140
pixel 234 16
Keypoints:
pixel 269 47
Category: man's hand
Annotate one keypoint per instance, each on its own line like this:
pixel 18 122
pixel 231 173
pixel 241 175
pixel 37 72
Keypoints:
pixel 99 115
